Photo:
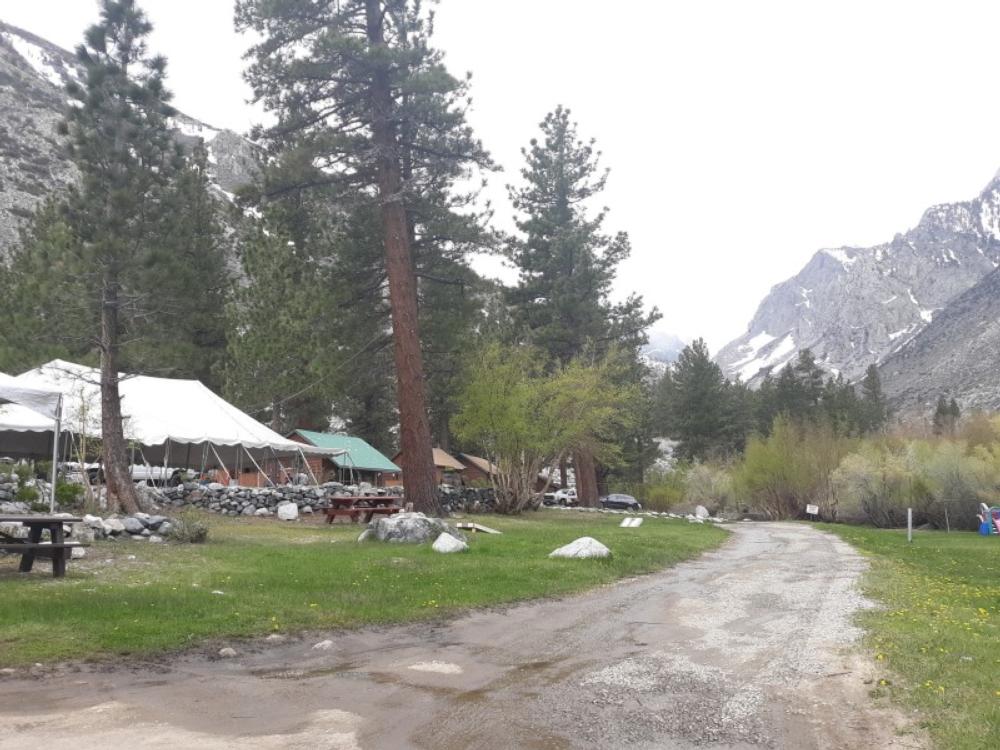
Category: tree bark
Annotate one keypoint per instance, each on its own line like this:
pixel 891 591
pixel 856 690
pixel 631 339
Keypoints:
pixel 586 478
pixel 414 425
pixel 118 478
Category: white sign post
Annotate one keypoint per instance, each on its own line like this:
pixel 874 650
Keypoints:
pixel 909 524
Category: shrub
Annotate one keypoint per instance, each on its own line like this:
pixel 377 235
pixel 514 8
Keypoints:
pixel 791 468
pixel 188 527
pixel 874 485
pixel 69 493
pixel 27 494
pixel 710 486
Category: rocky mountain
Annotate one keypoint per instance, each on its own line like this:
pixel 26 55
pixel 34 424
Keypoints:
pixel 33 163
pixel 854 307
pixel 663 347
pixel 957 354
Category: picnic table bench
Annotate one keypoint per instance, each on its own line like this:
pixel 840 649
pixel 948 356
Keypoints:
pixel 350 506
pixel 58 548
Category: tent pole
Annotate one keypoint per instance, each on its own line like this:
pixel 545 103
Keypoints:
pixel 308 467
pixel 55 456
pixel 281 469
pixel 222 464
pixel 255 463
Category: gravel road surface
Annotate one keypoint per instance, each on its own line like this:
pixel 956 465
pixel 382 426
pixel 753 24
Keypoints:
pixel 749 646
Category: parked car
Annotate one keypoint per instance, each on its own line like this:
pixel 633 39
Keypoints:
pixel 566 497
pixel 157 476
pixel 620 502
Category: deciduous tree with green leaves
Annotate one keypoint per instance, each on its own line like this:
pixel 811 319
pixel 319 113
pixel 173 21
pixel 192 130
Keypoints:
pixel 525 416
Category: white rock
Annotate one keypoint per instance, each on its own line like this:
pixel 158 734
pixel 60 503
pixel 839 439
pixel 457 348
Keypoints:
pixel 288 511
pixel 114 526
pixel 701 511
pixel 446 543
pixel 275 638
pixel 307 509
pixel 262 512
pixel 584 547
pixel 77 552
pixel 323 646
pixel 630 523
pixel 94 521
pixel 227 653
pixel 365 535
pixel 155 539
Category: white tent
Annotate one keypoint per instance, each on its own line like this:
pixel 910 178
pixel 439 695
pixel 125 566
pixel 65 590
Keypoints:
pixel 162 414
pixel 26 409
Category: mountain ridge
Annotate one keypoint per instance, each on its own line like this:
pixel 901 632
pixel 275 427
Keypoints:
pixel 856 306
pixel 33 161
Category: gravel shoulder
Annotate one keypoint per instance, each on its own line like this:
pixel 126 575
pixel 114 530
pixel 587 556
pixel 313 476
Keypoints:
pixel 748 646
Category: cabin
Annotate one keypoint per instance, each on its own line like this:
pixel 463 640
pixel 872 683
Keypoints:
pixel 360 462
pixel 447 469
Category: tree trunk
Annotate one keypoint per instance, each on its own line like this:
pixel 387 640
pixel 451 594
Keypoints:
pixel 563 474
pixel 586 478
pixel 414 426
pixel 121 490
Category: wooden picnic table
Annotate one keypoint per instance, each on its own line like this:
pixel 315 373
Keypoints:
pixel 356 506
pixel 58 547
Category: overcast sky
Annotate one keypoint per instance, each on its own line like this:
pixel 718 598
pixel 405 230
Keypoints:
pixel 742 136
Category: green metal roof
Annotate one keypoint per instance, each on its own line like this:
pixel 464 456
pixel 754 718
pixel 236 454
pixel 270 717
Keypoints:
pixel 360 455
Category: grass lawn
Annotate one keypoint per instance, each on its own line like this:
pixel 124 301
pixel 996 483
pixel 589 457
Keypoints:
pixel 939 632
pixel 296 576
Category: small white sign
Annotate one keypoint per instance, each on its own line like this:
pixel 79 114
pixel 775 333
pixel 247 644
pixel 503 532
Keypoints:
pixel 812 510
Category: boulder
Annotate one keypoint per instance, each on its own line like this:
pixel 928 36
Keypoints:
pixel 411 528
pixel 114 526
pixel 366 535
pixel 701 511
pixel 262 512
pixel 582 548
pixel 165 528
pixel 133 525
pixel 446 543
pixel 288 511
pixel 77 552
pixel 154 522
pixel 155 539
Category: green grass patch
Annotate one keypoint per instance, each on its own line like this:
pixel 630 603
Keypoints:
pixel 937 635
pixel 287 577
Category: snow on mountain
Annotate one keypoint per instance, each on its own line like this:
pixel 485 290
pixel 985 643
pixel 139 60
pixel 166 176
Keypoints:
pixel 853 307
pixel 34 74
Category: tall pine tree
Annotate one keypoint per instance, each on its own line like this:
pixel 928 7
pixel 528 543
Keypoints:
pixel 357 84
pixel 567 264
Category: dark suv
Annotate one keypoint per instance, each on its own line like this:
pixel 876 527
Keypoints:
pixel 620 502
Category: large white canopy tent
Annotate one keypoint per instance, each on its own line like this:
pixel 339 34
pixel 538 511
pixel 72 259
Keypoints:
pixel 31 412
pixel 171 421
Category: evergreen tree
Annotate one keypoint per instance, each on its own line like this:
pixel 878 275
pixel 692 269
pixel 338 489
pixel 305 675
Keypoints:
pixel 271 354
pixel 707 415
pixel 120 143
pixel 357 85
pixel 946 416
pixel 567 264
pixel 875 409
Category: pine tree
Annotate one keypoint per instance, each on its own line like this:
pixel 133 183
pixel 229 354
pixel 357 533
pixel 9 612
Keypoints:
pixel 707 415
pixel 875 409
pixel 121 145
pixel 357 84
pixel 942 421
pixel 567 264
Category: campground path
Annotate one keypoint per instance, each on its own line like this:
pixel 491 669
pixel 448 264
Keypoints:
pixel 748 646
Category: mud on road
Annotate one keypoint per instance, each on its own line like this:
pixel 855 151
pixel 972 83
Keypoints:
pixel 748 646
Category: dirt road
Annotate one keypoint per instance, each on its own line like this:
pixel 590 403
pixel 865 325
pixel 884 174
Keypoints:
pixel 746 647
